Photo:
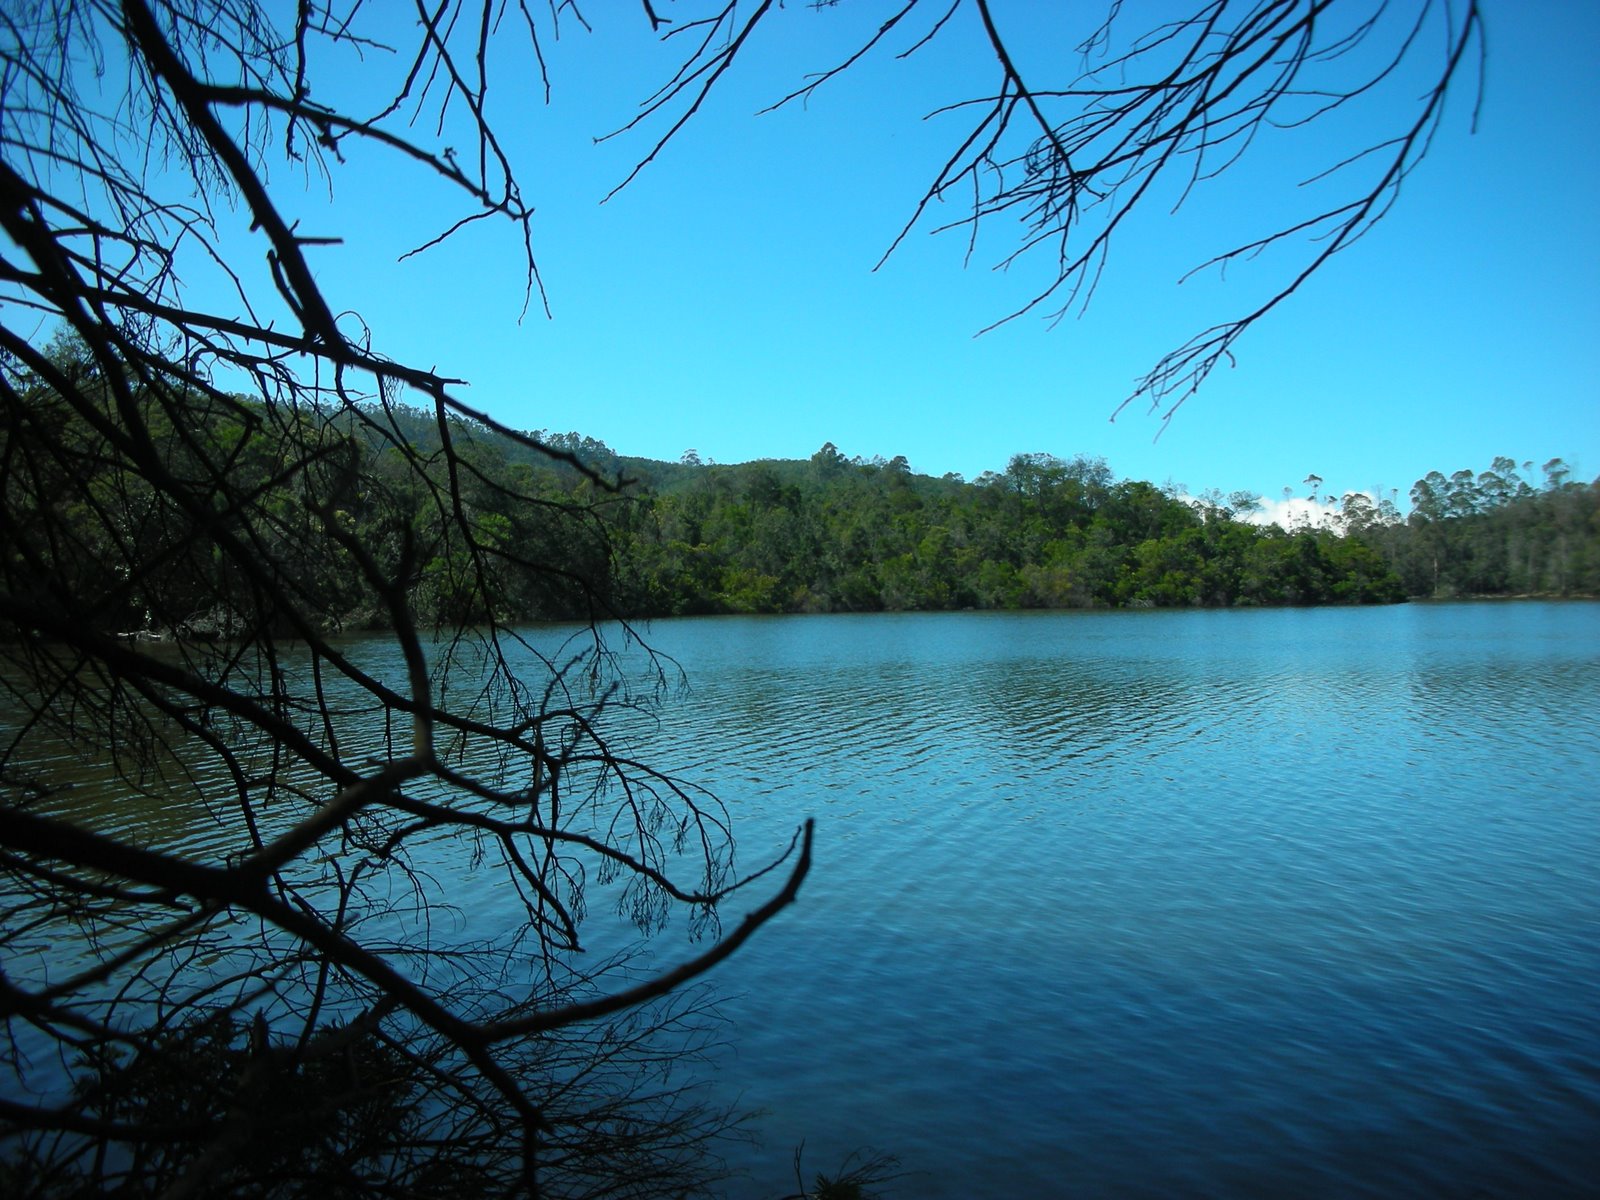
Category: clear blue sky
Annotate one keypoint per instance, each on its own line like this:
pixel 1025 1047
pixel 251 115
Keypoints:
pixel 725 301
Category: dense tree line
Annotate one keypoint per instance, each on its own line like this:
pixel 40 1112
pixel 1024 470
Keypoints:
pixel 845 534
pixel 839 534
pixel 834 534
pixel 1493 533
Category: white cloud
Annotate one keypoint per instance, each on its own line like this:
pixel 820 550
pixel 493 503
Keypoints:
pixel 1292 513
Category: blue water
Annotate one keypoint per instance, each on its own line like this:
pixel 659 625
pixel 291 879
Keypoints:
pixel 1138 904
pixel 1165 904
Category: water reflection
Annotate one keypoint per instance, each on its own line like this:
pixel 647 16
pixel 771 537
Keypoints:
pixel 1155 904
pixel 1143 904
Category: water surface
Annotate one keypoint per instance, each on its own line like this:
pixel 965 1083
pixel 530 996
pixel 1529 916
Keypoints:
pixel 1140 904
pixel 1155 904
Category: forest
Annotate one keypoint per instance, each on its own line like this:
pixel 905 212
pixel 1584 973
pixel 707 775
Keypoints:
pixel 613 535
pixel 838 534
pixel 634 537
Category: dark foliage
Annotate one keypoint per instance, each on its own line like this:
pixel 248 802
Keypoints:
pixel 1492 533
pixel 838 535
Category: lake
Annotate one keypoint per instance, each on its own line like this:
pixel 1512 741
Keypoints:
pixel 1238 903
pixel 1145 904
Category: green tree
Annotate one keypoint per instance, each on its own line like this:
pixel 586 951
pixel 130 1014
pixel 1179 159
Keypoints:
pixel 1491 533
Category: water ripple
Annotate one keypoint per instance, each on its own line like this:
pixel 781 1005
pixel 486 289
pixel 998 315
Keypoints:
pixel 1211 904
pixel 1157 904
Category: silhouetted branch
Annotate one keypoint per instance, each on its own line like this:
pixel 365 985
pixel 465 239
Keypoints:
pixel 176 559
pixel 1147 122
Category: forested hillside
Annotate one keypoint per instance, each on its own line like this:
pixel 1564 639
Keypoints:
pixel 832 534
pixel 607 535
pixel 839 534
